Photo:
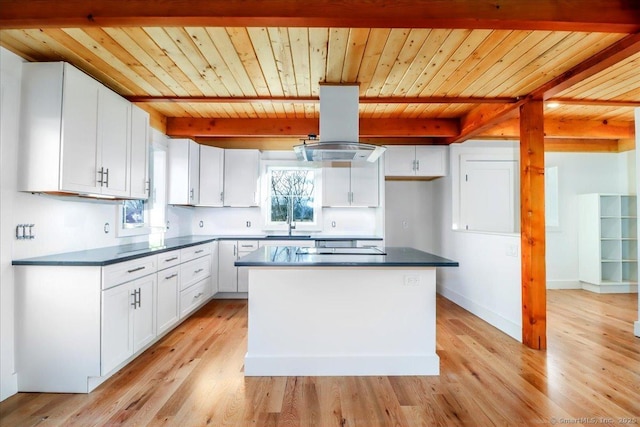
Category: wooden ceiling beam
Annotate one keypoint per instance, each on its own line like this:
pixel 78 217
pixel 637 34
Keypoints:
pixel 482 118
pixel 614 16
pixel 300 128
pixel 578 129
pixel 316 99
pixel 572 145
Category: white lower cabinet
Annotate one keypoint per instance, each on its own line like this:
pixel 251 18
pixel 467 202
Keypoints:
pixel 230 277
pixel 79 324
pixel 128 321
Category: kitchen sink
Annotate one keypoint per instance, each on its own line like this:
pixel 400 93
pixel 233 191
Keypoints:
pixel 287 237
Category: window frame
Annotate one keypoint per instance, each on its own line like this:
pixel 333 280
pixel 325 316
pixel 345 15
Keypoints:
pixel 269 225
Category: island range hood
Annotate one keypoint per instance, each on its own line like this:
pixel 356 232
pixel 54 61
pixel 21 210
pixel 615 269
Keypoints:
pixel 339 129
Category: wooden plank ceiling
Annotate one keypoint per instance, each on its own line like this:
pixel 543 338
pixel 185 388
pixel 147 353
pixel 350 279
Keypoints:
pixel 226 72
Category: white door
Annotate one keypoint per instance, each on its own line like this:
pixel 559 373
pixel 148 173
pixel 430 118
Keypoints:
pixel 431 160
pixel 364 184
pixel 139 170
pixel 336 185
pixel 194 172
pixel 400 160
pixel 211 176
pixel 144 321
pixel 227 271
pixel 116 340
pixel 79 133
pixel 167 313
pixel 489 196
pixel 114 113
pixel 241 175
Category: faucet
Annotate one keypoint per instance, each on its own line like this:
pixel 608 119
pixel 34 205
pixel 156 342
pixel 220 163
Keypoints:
pixel 290 223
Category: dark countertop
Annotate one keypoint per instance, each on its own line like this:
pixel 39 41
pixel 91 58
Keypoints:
pixel 290 256
pixel 116 254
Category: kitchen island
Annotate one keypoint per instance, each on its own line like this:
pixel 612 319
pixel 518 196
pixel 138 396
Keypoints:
pixel 342 311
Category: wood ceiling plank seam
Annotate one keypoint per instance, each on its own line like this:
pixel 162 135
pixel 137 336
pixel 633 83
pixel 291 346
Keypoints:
pixel 85 38
pixel 440 60
pixel 408 52
pixel 518 59
pixel 192 51
pixel 624 86
pixel 17 42
pixel 356 45
pixel 266 57
pixel 202 111
pixel 486 68
pixel 454 110
pixel 392 49
pixel 279 110
pixel 298 110
pixel 202 39
pixel 279 38
pixel 86 60
pixel 616 115
pixel 222 41
pixel 190 110
pixel 239 38
pixel 309 111
pixel 372 52
pixel 160 56
pixel 318 46
pixel 146 60
pixel 412 82
pixel 566 54
pixel 378 111
pixel 174 52
pixel 299 38
pixel 259 109
pixel 336 52
pixel 289 112
pixel 468 44
pixel 249 111
pixel 461 62
pixel 592 89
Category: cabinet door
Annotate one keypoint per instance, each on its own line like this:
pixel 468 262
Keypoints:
pixel 144 320
pixel 194 173
pixel 113 141
pixel 227 272
pixel 431 161
pixel 167 297
pixel 211 176
pixel 241 175
pixel 178 179
pixel 364 184
pixel 400 160
pixel 116 339
pixel 336 185
pixel 139 170
pixel 214 268
pixel 79 133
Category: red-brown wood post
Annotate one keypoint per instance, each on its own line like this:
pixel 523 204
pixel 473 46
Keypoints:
pixel 532 226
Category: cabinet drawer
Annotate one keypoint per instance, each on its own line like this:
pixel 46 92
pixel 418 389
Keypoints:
pixel 122 272
pixel 193 297
pixel 247 245
pixel 194 271
pixel 168 259
pixel 193 252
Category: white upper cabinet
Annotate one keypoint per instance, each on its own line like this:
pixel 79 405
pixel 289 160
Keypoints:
pixel 114 114
pixel 241 176
pixel 415 161
pixel 211 176
pixel 75 133
pixel 354 184
pixel 184 172
pixel 139 177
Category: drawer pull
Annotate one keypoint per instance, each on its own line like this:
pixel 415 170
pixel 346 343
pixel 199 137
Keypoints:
pixel 171 259
pixel 136 269
pixel 171 276
pixel 198 295
pixel 200 270
pixel 199 251
pixel 247 246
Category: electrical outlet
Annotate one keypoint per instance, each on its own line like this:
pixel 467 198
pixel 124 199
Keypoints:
pixel 405 224
pixel 512 250
pixel 411 280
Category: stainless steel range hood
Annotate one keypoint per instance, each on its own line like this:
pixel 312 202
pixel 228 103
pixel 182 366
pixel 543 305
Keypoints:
pixel 339 129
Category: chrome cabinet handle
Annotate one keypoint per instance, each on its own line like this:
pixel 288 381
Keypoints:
pixel 191 194
pixel 234 250
pixel 134 294
pixel 136 269
pixel 198 295
pixel 199 251
pixel 101 173
pixel 222 196
pixel 171 259
pixel 200 270
pixel 106 182
pixel 417 165
pixel 137 298
pixel 171 276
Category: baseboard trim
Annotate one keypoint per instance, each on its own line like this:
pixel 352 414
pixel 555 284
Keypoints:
pixel 510 328
pixel 610 289
pixel 564 284
pixel 231 295
pixel 636 328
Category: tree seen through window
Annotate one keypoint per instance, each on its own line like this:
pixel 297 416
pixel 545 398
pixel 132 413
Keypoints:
pixel 292 193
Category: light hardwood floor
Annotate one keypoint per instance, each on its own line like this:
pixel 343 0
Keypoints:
pixel 193 377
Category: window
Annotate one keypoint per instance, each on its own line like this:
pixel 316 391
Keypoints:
pixel 292 196
pixel 133 218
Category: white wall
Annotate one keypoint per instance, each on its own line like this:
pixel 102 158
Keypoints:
pixel 488 281
pixel 636 328
pixel 580 173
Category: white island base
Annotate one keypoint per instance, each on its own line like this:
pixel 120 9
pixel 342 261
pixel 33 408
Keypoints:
pixel 341 321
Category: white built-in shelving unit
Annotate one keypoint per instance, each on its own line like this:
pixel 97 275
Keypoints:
pixel 608 242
